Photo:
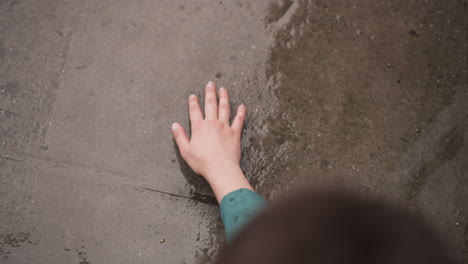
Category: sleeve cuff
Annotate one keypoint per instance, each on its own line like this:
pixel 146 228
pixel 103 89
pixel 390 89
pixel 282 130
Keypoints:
pixel 238 208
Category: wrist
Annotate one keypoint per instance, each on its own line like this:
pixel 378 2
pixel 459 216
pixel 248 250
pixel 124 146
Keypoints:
pixel 217 169
pixel 226 179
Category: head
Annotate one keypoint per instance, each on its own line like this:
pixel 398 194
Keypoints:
pixel 335 227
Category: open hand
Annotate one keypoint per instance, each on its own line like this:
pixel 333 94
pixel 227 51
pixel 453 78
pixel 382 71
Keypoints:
pixel 214 146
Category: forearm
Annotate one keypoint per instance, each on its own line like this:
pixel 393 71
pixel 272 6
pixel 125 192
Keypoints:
pixel 239 203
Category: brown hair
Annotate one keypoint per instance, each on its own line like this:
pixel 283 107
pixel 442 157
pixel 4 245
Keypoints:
pixel 335 227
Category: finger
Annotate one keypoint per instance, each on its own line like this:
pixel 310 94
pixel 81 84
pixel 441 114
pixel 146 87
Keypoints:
pixel 180 137
pixel 223 108
pixel 211 107
pixel 194 109
pixel 239 119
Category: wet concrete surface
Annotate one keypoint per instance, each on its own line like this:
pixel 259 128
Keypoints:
pixel 370 94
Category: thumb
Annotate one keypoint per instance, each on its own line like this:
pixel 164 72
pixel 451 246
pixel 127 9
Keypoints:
pixel 180 137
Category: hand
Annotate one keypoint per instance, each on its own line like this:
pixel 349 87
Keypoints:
pixel 214 148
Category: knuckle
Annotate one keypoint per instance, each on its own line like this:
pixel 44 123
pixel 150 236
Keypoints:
pixel 178 137
pixel 224 105
pixel 210 89
pixel 185 154
pixel 193 107
pixel 211 100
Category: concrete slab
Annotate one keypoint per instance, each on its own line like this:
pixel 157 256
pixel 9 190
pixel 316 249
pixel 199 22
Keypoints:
pixel 371 95
pixel 59 215
pixel 126 80
pixel 33 46
pixel 88 87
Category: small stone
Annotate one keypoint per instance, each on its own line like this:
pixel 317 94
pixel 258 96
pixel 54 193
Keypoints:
pixel 162 240
pixel 413 33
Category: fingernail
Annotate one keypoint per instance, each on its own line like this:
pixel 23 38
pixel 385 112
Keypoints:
pixel 210 83
pixel 174 126
pixel 222 89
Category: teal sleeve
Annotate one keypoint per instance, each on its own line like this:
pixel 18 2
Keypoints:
pixel 237 208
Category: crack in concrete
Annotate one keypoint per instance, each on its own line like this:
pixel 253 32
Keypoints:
pixel 196 197
pixel 11 158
